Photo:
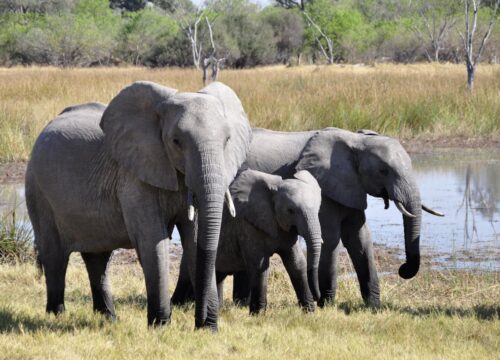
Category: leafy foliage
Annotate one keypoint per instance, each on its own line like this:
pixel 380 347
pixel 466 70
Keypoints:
pixel 154 33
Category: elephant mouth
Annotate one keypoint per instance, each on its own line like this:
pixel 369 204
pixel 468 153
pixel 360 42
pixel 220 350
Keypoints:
pixel 192 203
pixel 385 196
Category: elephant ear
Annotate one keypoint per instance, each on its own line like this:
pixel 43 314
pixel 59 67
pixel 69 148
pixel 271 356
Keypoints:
pixel 131 125
pixel 241 134
pixel 329 157
pixel 252 192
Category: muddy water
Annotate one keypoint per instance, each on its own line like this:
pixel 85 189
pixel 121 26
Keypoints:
pixel 465 186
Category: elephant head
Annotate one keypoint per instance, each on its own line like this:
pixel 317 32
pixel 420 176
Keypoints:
pixel 154 132
pixel 348 166
pixel 271 203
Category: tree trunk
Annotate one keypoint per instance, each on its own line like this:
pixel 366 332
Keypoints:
pixel 471 69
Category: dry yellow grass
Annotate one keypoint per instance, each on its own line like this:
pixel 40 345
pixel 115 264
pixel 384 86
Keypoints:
pixel 437 315
pixel 407 101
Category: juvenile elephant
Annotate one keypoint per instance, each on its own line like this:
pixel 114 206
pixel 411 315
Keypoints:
pixel 120 177
pixel 348 166
pixel 271 212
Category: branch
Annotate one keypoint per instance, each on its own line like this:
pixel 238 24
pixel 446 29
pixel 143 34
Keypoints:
pixel 488 32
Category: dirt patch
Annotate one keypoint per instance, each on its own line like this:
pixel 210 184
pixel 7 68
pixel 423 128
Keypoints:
pixel 427 145
pixel 12 172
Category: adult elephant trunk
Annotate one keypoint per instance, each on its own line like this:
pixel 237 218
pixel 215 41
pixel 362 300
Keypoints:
pixel 210 189
pixel 411 208
pixel 313 240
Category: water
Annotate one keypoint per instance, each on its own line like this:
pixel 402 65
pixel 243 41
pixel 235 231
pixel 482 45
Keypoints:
pixel 464 186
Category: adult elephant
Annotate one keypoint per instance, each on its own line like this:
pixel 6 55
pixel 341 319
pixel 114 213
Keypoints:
pixel 348 166
pixel 103 178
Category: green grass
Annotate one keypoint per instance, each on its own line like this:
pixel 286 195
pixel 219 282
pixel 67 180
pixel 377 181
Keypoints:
pixel 450 314
pixel 16 238
pixel 426 101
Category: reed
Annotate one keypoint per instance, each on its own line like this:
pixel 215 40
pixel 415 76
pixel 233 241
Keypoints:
pixel 425 101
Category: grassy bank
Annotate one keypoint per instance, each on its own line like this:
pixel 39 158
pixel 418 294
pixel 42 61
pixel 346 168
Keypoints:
pixel 435 315
pixel 407 101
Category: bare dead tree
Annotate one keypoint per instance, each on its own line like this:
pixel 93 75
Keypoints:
pixel 192 34
pixel 300 4
pixel 329 42
pixel 211 60
pixel 437 25
pixel 471 58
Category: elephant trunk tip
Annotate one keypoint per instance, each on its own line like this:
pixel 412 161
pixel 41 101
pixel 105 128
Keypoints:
pixel 410 268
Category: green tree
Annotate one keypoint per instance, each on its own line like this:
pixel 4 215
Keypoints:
pixel 143 32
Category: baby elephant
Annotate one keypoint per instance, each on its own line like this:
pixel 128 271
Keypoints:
pixel 270 213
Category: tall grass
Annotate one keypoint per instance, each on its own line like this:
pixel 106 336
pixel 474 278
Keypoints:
pixel 450 314
pixel 407 101
pixel 16 238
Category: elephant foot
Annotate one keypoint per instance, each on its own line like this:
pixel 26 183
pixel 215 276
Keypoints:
pixel 309 307
pixel 207 326
pixel 326 300
pixel 55 309
pixel 256 310
pixel 158 320
pixel 372 302
pixel 110 316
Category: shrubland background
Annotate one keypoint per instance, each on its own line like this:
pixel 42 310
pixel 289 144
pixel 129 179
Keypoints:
pixel 154 33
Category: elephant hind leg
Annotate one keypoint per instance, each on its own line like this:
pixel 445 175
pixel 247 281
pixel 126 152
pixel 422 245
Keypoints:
pixel 219 278
pixel 54 267
pixel 241 288
pixel 97 268
pixel 184 292
pixel 52 257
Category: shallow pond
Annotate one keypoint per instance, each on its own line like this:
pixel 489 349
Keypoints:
pixel 465 185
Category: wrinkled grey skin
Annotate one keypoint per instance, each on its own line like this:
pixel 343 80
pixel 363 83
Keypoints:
pixel 348 166
pixel 96 184
pixel 271 212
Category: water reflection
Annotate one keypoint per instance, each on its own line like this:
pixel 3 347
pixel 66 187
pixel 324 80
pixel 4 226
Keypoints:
pixel 465 186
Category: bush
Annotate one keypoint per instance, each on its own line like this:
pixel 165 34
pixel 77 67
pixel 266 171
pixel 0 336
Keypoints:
pixel 16 239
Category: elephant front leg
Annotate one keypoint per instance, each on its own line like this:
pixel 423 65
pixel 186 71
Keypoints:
pixel 296 267
pixel 154 260
pixel 97 266
pixel 328 269
pixel 357 240
pixel 147 228
pixel 258 272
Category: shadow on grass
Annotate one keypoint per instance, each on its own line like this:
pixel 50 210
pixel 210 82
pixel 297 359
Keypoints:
pixel 19 323
pixel 481 312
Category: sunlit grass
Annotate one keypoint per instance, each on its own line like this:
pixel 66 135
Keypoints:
pixel 425 101
pixel 450 314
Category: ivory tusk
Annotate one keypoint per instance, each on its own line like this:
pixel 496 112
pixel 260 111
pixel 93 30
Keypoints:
pixel 190 206
pixel 431 211
pixel 402 209
pixel 229 203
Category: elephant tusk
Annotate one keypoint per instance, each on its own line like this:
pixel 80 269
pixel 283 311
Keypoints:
pixel 431 211
pixel 386 203
pixel 229 203
pixel 402 209
pixel 190 205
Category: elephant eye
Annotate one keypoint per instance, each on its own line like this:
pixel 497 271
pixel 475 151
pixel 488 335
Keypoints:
pixel 384 172
pixel 177 142
pixel 290 211
pixel 227 140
